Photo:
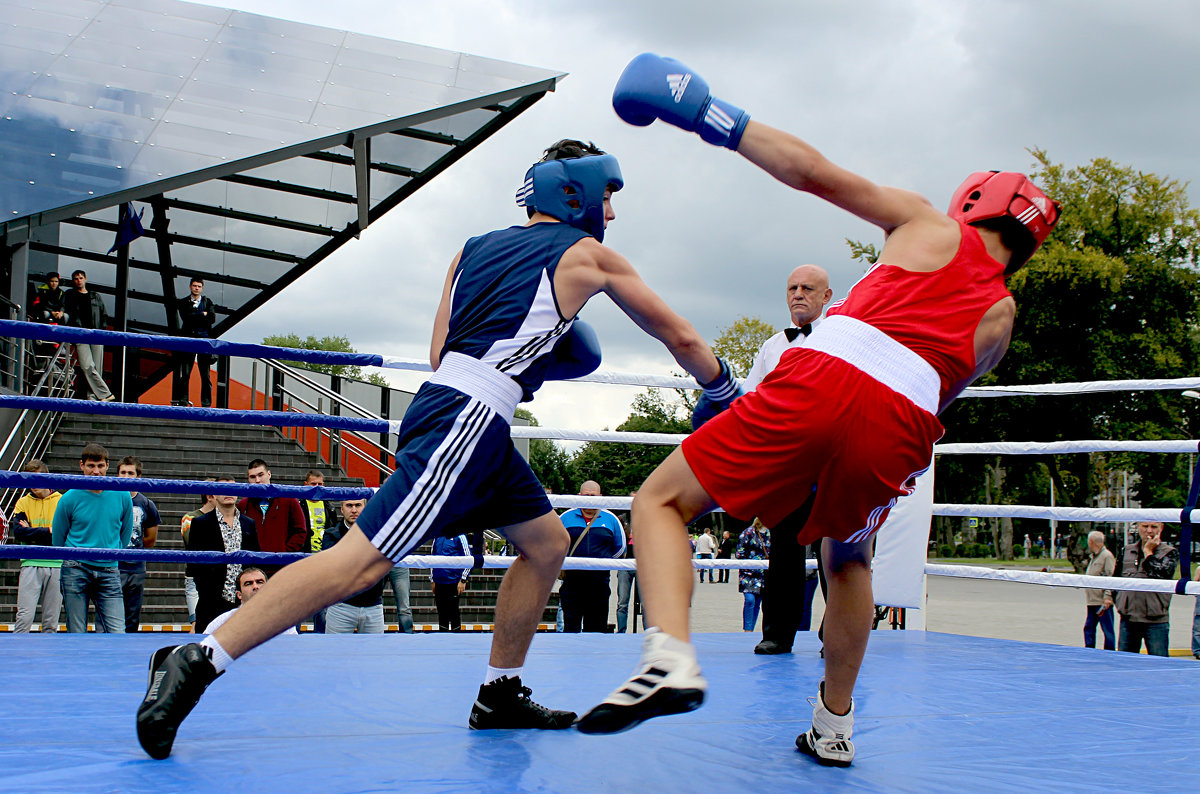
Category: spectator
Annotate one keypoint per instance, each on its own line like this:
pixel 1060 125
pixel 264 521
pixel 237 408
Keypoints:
pixel 224 529
pixel 249 582
pixel 788 588
pixel 208 503
pixel 145 534
pixel 196 316
pixel 725 552
pixel 449 583
pixel 361 613
pixel 1196 623
pixel 754 544
pixel 1099 604
pixel 279 521
pixel 1144 616
pixel 86 310
pixel 584 594
pixel 706 549
pixel 48 302
pixel 93 520
pixel 626 579
pixel 318 513
pixel 1028 547
pixel 45 306
pixel 38 582
pixel 401 582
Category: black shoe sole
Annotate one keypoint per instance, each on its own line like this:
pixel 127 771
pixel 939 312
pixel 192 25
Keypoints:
pixel 811 752
pixel 606 718
pixel 556 725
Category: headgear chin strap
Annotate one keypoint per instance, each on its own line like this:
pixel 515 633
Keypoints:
pixel 1005 194
pixel 572 190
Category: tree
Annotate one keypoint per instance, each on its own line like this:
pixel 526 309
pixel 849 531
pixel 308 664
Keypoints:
pixel 550 463
pixel 1113 294
pixel 863 252
pixel 621 468
pixel 337 344
pixel 739 343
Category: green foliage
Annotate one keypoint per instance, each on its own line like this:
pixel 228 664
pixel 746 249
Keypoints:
pixel 863 252
pixel 622 468
pixel 1113 294
pixel 338 344
pixel 549 461
pixel 740 342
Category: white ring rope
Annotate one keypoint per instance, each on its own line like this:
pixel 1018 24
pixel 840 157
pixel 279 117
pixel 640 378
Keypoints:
pixel 957 571
pixel 1065 447
pixel 1083 387
pixel 1027 390
pixel 1111 514
pixel 599 376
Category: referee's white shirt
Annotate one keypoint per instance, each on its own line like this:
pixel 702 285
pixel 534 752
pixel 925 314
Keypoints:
pixel 769 354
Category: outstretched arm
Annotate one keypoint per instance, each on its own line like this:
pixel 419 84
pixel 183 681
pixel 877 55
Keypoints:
pixel 653 87
pixel 589 267
pixel 799 165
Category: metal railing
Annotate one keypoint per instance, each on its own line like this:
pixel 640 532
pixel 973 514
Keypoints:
pixel 12 351
pixel 292 401
pixel 32 430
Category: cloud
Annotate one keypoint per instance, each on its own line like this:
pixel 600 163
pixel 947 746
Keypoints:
pixel 916 94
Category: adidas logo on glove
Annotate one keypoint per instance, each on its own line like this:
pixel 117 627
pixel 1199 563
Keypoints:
pixel 678 84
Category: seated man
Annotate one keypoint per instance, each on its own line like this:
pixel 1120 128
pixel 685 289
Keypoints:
pixel 249 582
pixel 507 321
pixel 932 316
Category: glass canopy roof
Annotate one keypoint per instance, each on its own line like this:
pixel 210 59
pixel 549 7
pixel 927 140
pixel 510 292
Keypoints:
pixel 255 146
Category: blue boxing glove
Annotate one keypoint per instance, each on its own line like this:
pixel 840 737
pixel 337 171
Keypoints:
pixel 719 393
pixel 575 354
pixel 653 87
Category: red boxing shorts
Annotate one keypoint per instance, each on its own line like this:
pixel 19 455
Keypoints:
pixel 815 420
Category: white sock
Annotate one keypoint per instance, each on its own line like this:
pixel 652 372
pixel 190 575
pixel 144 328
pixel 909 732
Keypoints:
pixel 217 655
pixel 499 672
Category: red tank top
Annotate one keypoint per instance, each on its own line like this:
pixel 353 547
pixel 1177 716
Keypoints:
pixel 933 314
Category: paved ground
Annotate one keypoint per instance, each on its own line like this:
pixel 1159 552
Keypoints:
pixel 972 607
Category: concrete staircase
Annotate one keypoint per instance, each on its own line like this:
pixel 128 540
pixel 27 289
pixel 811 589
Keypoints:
pixel 192 450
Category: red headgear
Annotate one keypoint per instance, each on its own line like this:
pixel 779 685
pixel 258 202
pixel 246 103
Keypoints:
pixel 1005 194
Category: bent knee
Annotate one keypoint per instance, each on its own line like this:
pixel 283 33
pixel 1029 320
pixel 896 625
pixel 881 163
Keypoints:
pixel 548 546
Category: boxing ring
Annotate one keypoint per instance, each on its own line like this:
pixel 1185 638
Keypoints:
pixel 388 712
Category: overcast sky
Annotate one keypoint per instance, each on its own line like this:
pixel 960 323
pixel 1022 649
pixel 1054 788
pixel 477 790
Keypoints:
pixel 914 93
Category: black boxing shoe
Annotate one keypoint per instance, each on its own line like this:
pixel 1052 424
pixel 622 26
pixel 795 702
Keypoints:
pixel 505 703
pixel 178 677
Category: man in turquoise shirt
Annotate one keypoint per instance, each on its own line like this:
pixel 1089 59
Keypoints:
pixel 93 520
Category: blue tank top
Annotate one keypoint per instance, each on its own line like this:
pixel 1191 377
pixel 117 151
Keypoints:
pixel 502 306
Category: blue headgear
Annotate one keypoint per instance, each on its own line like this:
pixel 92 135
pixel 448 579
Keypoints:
pixel 572 190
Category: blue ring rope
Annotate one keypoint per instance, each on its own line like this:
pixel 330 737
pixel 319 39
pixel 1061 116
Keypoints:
pixel 263 418
pixel 32 479
pixel 63 333
pixel 15 552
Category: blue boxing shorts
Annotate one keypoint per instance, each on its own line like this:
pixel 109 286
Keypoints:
pixel 457 470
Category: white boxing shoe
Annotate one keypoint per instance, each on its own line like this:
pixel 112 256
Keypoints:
pixel 828 740
pixel 667 681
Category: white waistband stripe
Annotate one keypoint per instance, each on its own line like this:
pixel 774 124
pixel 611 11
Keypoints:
pixel 875 353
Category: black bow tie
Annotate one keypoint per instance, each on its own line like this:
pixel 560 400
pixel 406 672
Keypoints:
pixel 792 333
